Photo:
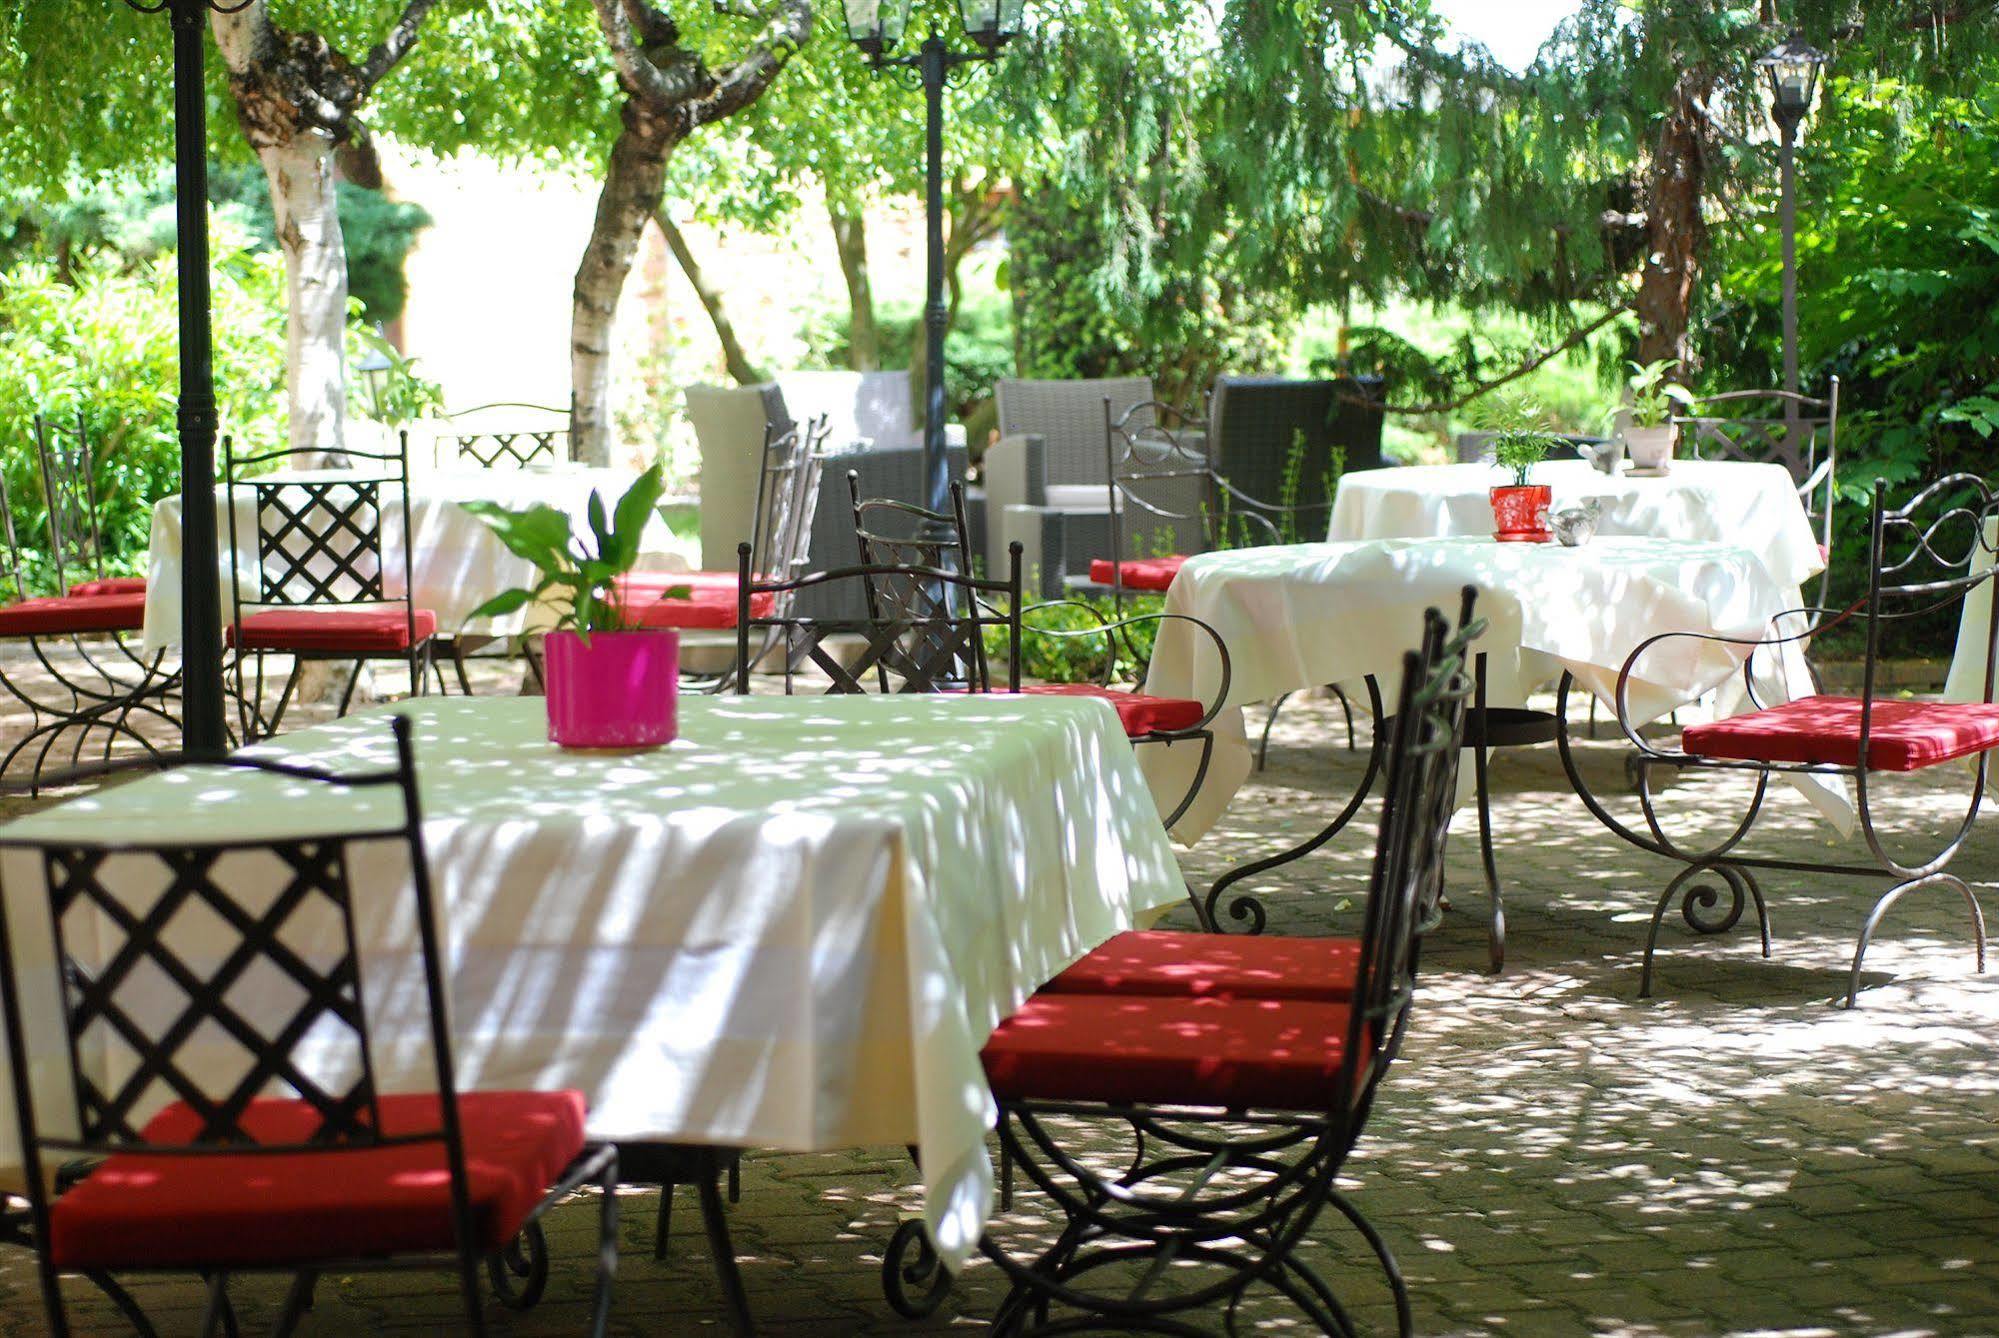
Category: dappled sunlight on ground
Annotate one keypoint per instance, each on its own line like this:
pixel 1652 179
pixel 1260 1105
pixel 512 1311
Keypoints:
pixel 1552 1154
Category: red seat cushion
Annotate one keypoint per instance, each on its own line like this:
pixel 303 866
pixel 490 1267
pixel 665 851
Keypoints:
pixel 709 605
pixel 136 1211
pixel 69 614
pixel 1906 735
pixel 1234 966
pixel 111 585
pixel 1140 714
pixel 334 630
pixel 1138 573
pixel 1274 1054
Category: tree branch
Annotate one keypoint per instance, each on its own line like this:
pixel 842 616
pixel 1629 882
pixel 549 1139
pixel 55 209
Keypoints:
pixel 1574 338
pixel 636 71
pixel 395 46
pixel 743 82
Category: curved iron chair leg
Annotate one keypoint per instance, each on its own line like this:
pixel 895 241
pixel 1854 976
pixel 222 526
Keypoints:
pixel 1496 931
pixel 1263 744
pixel 122 1299
pixel 1887 900
pixel 1404 1321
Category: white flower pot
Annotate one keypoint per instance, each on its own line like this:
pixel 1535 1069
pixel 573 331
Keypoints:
pixel 1650 447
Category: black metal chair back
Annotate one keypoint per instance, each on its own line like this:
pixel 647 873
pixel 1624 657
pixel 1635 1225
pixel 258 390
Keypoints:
pixel 1796 431
pixel 17 570
pixel 933 645
pixel 512 446
pixel 144 1021
pixel 1926 556
pixel 318 537
pixel 787 497
pixel 1407 882
pixel 69 493
pixel 902 537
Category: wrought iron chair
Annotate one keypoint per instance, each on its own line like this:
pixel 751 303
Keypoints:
pixel 85 684
pixel 512 446
pixel 1924 556
pixel 1777 427
pixel 924 538
pixel 321 574
pixel 263 1160
pixel 781 533
pixel 1243 1105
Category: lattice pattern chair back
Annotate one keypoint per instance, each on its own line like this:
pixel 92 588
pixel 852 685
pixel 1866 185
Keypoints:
pixel 319 539
pixel 69 492
pixel 899 650
pixel 506 444
pixel 184 978
pixel 900 535
pixel 1798 432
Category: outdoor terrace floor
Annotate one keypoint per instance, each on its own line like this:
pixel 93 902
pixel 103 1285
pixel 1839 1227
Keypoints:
pixel 1552 1155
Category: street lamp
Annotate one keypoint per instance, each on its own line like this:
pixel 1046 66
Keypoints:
pixel 875 26
pixel 202 733
pixel 1792 68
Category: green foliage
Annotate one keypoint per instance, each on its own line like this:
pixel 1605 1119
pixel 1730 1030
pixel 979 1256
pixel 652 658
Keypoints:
pixel 1653 400
pixel 135 220
pixel 578 577
pixel 1898 283
pixel 1521 438
pixel 106 342
pixel 395 394
pixel 1067 641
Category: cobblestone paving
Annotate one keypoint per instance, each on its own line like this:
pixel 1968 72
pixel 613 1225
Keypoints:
pixel 1551 1156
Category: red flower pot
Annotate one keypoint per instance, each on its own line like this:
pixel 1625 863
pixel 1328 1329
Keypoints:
pixel 1520 515
pixel 620 690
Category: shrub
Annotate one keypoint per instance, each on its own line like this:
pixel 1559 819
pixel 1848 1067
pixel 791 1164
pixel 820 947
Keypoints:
pixel 106 343
pixel 1079 659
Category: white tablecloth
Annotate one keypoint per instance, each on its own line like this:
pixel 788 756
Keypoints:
pixel 1299 616
pixel 457 564
pixel 793 928
pixel 1716 501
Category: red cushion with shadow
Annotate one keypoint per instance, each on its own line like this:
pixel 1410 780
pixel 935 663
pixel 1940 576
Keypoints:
pixel 138 1211
pixel 331 630
pixel 1225 966
pixel 1138 573
pixel 72 614
pixel 705 608
pixel 1140 714
pixel 1273 1054
pixel 111 585
pixel 1906 735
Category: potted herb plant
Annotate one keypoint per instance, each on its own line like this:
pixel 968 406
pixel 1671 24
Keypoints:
pixel 1649 431
pixel 610 684
pixel 1520 440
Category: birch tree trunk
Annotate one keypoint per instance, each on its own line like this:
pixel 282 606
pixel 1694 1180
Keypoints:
pixel 634 182
pixel 306 208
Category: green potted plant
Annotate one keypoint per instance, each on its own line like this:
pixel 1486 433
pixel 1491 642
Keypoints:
pixel 1650 402
pixel 1520 440
pixel 611 683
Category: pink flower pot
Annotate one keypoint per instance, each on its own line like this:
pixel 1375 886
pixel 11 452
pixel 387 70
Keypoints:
pixel 620 690
pixel 1520 515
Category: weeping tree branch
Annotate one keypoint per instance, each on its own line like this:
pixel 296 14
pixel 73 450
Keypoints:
pixel 1480 388
pixel 738 362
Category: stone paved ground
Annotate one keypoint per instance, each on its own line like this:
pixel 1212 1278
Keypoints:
pixel 1552 1156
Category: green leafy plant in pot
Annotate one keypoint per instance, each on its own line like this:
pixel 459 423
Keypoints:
pixel 1520 440
pixel 1651 400
pixel 612 682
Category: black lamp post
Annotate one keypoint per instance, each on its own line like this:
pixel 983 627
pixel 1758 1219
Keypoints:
pixel 1792 68
pixel 202 733
pixel 875 26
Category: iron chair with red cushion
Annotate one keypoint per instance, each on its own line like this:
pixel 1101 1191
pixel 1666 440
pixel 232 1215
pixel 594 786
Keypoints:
pixel 1924 557
pixel 1244 1105
pixel 891 532
pixel 202 1010
pixel 321 585
pixel 84 683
